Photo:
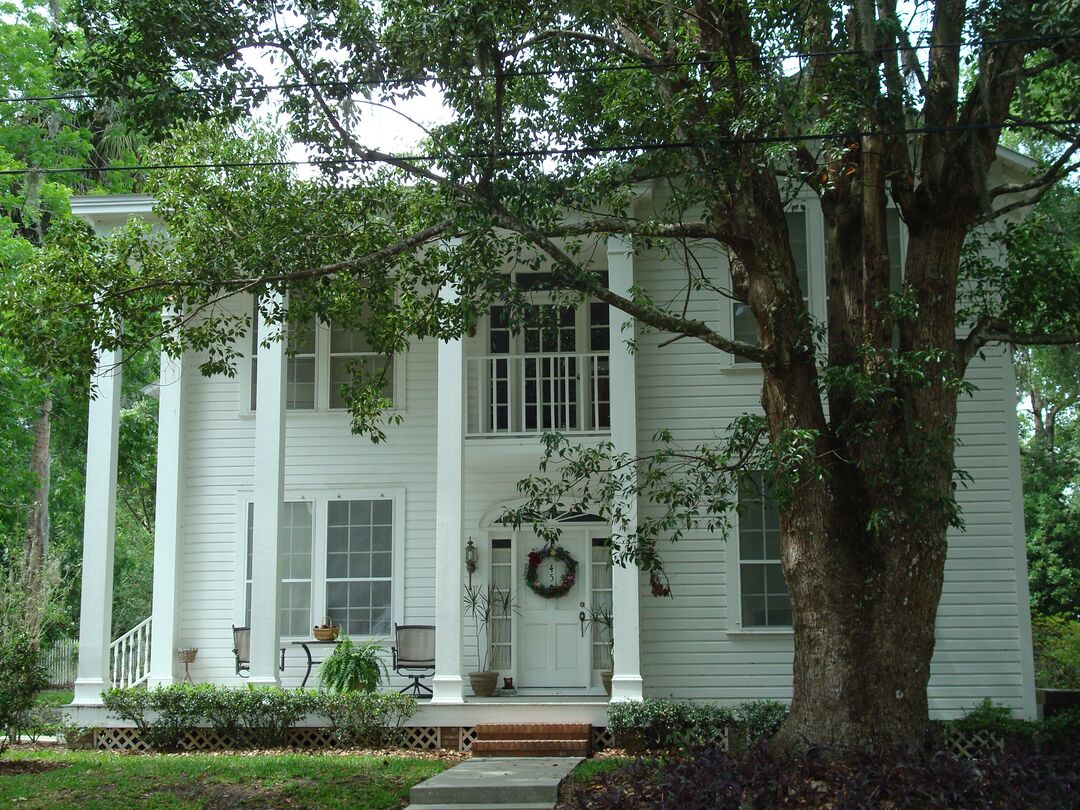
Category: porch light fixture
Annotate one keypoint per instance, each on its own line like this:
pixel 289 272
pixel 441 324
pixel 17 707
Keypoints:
pixel 471 558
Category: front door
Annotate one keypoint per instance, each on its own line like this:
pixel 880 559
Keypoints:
pixel 553 652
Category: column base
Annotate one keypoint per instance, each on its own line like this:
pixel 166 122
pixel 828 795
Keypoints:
pixel 88 691
pixel 156 681
pixel 256 680
pixel 447 689
pixel 627 688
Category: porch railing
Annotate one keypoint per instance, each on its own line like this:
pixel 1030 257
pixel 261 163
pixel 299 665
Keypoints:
pixel 534 393
pixel 129 655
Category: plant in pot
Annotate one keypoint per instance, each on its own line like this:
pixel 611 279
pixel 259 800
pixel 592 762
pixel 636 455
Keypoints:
pixel 600 617
pixel 484 604
pixel 354 667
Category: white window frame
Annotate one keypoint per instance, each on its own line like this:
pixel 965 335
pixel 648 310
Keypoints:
pixel 319 497
pixel 734 589
pixel 322 376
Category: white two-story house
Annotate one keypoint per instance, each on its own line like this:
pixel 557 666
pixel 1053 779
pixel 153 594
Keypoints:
pixel 375 535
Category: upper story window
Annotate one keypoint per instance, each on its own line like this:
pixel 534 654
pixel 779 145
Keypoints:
pixel 743 325
pixel 763 593
pixel 810 255
pixel 321 360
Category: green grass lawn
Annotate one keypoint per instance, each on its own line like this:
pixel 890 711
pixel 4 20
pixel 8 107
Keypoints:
pixel 93 780
pixel 54 697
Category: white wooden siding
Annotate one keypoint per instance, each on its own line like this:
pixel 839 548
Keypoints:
pixel 687 647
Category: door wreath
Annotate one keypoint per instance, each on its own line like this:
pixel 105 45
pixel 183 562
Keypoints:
pixel 537 558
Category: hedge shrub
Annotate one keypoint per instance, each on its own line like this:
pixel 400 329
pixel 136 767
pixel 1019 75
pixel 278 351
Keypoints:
pixel 656 724
pixel 256 715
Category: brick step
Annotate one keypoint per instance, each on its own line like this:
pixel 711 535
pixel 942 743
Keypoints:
pixel 531 748
pixel 534 731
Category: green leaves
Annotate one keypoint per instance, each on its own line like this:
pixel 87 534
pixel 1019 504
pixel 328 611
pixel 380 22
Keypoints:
pixel 354 667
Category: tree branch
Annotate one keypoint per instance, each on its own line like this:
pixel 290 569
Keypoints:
pixel 1059 169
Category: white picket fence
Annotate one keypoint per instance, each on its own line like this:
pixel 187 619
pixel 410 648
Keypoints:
pixel 61 662
pixel 129 655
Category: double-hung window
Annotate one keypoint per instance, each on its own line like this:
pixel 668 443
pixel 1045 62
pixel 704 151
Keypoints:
pixel 743 325
pixel 322 359
pixel 763 593
pixel 337 560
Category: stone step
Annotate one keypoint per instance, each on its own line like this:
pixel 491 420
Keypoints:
pixel 494 784
pixel 533 731
pixel 530 748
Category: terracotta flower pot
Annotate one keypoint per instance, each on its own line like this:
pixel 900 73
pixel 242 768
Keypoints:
pixel 483 683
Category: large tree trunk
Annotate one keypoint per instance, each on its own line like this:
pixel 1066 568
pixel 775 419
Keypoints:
pixel 37 524
pixel 864 543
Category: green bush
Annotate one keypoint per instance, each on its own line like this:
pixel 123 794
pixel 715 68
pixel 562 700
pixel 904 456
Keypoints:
pixel 1060 733
pixel 21 678
pixel 988 716
pixel 362 719
pixel 163 715
pixel 658 723
pixel 759 719
pixel 353 667
pixel 268 712
pixel 1057 651
pixel 654 724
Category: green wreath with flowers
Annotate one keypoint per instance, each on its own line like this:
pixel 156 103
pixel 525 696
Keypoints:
pixel 569 577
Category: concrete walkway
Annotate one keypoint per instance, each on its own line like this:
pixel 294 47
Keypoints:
pixel 495 783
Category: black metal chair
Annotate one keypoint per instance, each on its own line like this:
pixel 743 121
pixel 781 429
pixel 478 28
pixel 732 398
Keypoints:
pixel 241 637
pixel 414 655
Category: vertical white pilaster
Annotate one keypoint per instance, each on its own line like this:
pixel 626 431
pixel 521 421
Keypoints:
pixel 626 681
pixel 447 684
pixel 168 523
pixel 99 532
pixel 269 500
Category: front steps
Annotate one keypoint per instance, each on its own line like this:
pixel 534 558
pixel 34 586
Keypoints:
pixel 532 740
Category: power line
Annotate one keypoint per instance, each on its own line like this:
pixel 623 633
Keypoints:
pixel 590 70
pixel 583 151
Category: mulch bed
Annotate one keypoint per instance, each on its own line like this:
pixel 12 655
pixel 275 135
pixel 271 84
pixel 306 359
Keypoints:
pixel 10 767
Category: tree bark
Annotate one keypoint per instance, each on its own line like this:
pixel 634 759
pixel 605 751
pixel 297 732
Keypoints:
pixel 37 523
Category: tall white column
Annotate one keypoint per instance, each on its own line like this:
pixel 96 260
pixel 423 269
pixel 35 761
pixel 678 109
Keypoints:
pixel 269 504
pixel 99 532
pixel 168 524
pixel 447 684
pixel 626 681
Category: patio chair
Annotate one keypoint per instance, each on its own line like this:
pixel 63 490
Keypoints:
pixel 241 637
pixel 414 655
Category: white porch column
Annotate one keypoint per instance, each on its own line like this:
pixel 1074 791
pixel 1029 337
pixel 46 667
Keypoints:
pixel 269 501
pixel 99 532
pixel 168 524
pixel 447 684
pixel 626 682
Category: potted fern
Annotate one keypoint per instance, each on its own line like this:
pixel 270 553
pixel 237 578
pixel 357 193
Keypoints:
pixel 483 605
pixel 354 667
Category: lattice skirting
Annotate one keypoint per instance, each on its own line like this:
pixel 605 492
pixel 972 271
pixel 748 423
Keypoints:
pixel 601 738
pixel 206 739
pixel 973 744
pixel 466 738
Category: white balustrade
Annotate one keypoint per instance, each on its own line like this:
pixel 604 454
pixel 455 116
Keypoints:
pixel 520 394
pixel 129 655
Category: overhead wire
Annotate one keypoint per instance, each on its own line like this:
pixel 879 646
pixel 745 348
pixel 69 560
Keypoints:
pixel 583 70
pixel 376 157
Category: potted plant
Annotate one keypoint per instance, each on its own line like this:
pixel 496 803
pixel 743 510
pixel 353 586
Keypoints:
pixel 484 604
pixel 353 667
pixel 601 617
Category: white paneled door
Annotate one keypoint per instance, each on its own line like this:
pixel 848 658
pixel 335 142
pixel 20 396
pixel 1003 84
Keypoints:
pixel 554 654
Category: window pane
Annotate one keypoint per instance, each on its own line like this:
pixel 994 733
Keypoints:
pixel 358 591
pixel 754 613
pixel 348 341
pixel 753 580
